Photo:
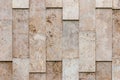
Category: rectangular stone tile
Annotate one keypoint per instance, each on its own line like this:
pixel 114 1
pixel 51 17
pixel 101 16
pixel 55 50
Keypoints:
pixel 54 34
pixel 53 76
pixel 54 3
pixel 104 3
pixel 103 71
pixel 103 34
pixel 116 4
pixel 70 70
pixel 20 69
pixel 37 37
pixel 5 70
pixel 37 76
pixel 70 9
pixel 87 51
pixel 20 3
pixel 70 39
pixel 5 40
pixel 86 76
pixel 87 15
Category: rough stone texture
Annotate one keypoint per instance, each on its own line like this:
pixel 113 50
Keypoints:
pixel 103 71
pixel 87 15
pixel 104 3
pixel 86 76
pixel 20 69
pixel 86 51
pixel 104 35
pixel 54 34
pixel 20 3
pixel 57 76
pixel 5 70
pixel 70 9
pixel 37 76
pixel 70 70
pixel 70 39
pixel 116 4
pixel 54 3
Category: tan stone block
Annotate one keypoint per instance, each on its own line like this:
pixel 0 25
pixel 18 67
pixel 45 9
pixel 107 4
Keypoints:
pixel 87 15
pixel 70 39
pixel 37 76
pixel 86 76
pixel 5 70
pixel 54 3
pixel 104 3
pixel 20 3
pixel 54 34
pixel 116 4
pixel 57 76
pixel 103 71
pixel 70 9
pixel 87 51
pixel 103 34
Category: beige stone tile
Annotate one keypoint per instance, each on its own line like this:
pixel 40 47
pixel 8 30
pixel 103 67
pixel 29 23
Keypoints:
pixel 20 69
pixel 5 40
pixel 104 3
pixel 54 34
pixel 70 70
pixel 87 15
pixel 116 4
pixel 54 3
pixel 57 76
pixel 5 70
pixel 20 3
pixel 103 34
pixel 70 9
pixel 103 71
pixel 86 76
pixel 87 51
pixel 37 76
pixel 70 39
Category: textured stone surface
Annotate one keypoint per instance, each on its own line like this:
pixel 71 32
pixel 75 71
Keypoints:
pixel 70 9
pixel 104 3
pixel 20 3
pixel 57 76
pixel 70 69
pixel 103 71
pixel 70 39
pixel 103 34
pixel 5 70
pixel 116 4
pixel 37 76
pixel 87 15
pixel 20 69
pixel 54 3
pixel 86 76
pixel 87 51
pixel 54 34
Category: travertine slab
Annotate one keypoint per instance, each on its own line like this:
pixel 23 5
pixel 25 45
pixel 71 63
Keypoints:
pixel 54 3
pixel 70 39
pixel 104 3
pixel 86 76
pixel 103 34
pixel 37 37
pixel 20 3
pixel 37 76
pixel 57 76
pixel 70 9
pixel 116 4
pixel 87 15
pixel 70 69
pixel 20 69
pixel 103 71
pixel 87 51
pixel 5 70
pixel 54 34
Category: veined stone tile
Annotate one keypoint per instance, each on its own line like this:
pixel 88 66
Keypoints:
pixel 37 37
pixel 104 3
pixel 53 76
pixel 37 76
pixel 20 3
pixel 87 15
pixel 54 3
pixel 5 10
pixel 20 69
pixel 116 4
pixel 87 51
pixel 70 9
pixel 70 39
pixel 5 40
pixel 103 34
pixel 86 76
pixel 54 34
pixel 70 69
pixel 103 71
pixel 5 70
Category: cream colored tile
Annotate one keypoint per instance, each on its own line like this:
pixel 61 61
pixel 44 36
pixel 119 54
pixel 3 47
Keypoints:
pixel 54 3
pixel 37 76
pixel 116 4
pixel 104 3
